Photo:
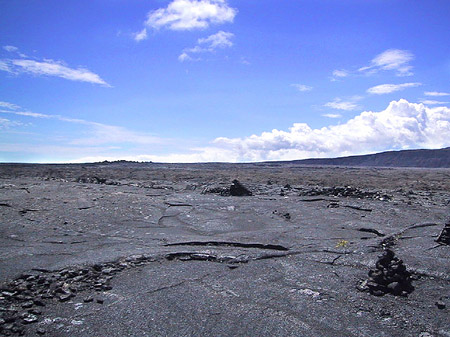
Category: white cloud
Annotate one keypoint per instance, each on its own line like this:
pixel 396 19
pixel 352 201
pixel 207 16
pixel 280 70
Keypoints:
pixel 184 57
pixel 340 104
pixel 142 35
pixel 10 49
pixel 112 134
pixel 54 68
pixel 401 125
pixel 392 59
pixel 191 14
pixel 50 68
pixel 219 40
pixel 435 93
pixel 10 106
pixel 433 102
pixel 209 44
pixel 15 50
pixel 390 88
pixel 302 87
pixel 244 61
pixel 4 66
pixel 332 115
pixel 6 123
pixel 339 73
pixel 98 133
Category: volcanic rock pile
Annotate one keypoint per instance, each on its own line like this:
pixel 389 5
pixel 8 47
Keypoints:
pixel 345 191
pixel 389 276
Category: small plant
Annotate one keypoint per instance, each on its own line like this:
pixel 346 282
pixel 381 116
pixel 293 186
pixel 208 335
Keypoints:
pixel 342 243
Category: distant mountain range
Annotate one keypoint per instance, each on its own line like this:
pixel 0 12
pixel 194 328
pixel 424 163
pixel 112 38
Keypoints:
pixel 406 158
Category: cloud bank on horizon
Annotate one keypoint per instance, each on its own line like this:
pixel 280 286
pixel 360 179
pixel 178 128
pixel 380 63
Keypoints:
pixel 402 125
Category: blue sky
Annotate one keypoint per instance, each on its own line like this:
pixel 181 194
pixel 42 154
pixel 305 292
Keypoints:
pixel 221 80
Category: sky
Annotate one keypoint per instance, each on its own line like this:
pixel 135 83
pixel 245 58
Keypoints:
pixel 221 80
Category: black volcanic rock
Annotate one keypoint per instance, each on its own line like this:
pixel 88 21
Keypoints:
pixel 389 276
pixel 237 189
pixel 444 237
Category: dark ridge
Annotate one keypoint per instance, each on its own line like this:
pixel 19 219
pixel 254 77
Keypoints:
pixel 420 158
pixel 229 244
pixel 439 158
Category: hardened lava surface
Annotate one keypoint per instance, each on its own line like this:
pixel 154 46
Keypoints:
pixel 129 249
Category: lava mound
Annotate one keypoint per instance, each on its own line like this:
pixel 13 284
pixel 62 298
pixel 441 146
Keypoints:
pixel 389 276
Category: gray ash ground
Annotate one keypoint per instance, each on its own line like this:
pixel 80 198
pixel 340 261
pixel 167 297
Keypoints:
pixel 128 249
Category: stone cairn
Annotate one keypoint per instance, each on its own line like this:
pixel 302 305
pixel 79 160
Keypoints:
pixel 389 276
pixel 444 236
pixel 237 189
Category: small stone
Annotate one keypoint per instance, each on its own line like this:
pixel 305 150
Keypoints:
pixel 39 303
pixel 35 311
pixel 41 331
pixel 440 305
pixel 17 329
pixel 385 313
pixel 377 292
pixel 9 318
pixel 395 288
pixel 100 301
pixel 30 318
pixel 64 297
pixel 27 304
pixel 108 271
pixel 88 299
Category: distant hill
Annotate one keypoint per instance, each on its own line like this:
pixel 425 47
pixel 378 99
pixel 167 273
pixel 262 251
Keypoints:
pixel 406 158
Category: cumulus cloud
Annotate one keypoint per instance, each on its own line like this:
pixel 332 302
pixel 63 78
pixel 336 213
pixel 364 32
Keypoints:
pixel 401 125
pixel 435 93
pixel 302 87
pixel 340 104
pixel 390 88
pixel 209 44
pixel 392 59
pixel 191 14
